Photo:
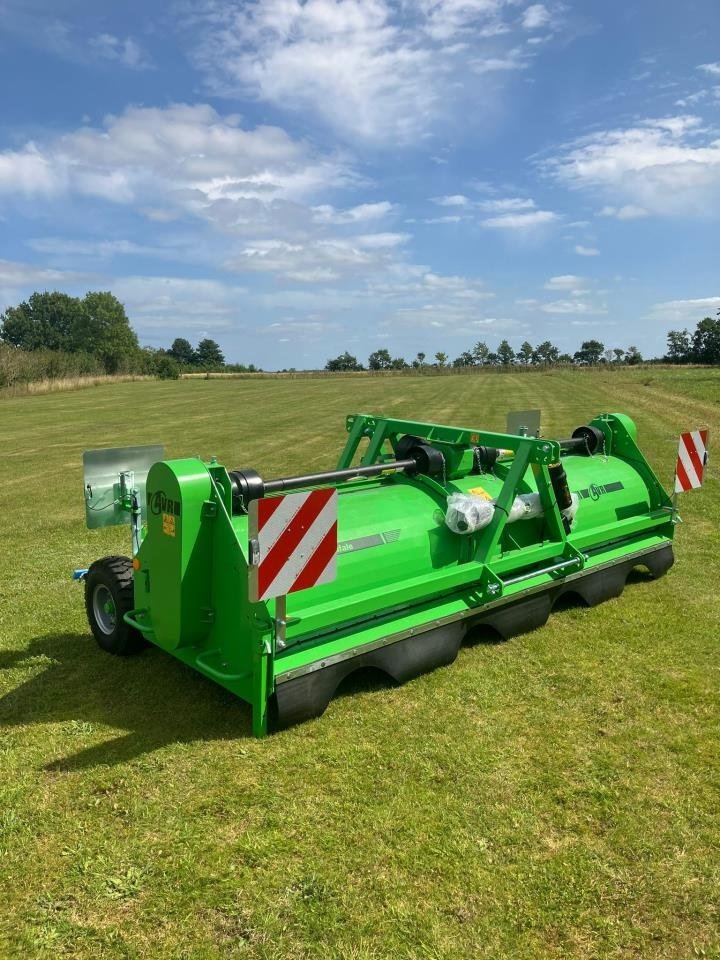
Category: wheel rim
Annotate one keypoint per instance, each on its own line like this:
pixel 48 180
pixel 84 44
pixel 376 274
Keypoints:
pixel 104 609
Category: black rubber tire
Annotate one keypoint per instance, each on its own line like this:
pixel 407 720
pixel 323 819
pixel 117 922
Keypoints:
pixel 115 574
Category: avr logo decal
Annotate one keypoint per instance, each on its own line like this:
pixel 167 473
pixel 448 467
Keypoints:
pixel 159 502
pixel 596 490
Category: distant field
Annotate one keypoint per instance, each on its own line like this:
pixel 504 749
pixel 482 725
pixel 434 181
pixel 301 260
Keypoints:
pixel 553 796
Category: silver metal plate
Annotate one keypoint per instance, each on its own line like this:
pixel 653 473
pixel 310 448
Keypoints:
pixel 104 474
pixel 523 423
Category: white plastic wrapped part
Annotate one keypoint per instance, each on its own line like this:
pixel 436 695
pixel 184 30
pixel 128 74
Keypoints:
pixel 466 513
pixel 525 507
pixel 570 511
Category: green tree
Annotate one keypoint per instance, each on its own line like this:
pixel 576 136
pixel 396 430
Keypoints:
pixel 46 321
pixel 481 352
pixel 380 360
pixel 166 366
pixel 466 359
pixel 209 354
pixel 182 352
pixel 97 325
pixel 441 358
pixel 679 347
pixel 398 363
pixel 590 352
pixel 345 361
pixel 633 356
pixel 618 354
pixel 546 353
pixel 706 341
pixel 105 331
pixel 419 361
pixel 525 353
pixel 505 353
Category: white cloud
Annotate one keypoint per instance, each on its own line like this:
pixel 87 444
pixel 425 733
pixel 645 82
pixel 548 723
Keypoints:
pixel 317 261
pixel 713 69
pixel 628 211
pixel 582 251
pixel 374 70
pixel 451 218
pixel 578 307
pixel 684 312
pixel 536 16
pixel 507 205
pixel 567 281
pixel 514 60
pixel 178 303
pixel 20 275
pixel 190 156
pixel 666 166
pixel 454 200
pixel 521 221
pixel 126 52
pixel 359 214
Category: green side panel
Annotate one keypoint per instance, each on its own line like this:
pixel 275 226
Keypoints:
pixel 173 581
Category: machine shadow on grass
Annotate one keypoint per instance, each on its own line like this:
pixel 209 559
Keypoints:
pixel 156 699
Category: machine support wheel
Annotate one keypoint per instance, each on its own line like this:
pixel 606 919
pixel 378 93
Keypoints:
pixel 108 597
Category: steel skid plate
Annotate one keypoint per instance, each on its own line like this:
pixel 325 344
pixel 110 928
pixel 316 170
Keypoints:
pixel 107 473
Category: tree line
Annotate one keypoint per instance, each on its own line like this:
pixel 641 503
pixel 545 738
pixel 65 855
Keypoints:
pixel 96 333
pixel 544 354
pixel 701 346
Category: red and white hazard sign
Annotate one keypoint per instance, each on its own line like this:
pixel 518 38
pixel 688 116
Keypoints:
pixel 692 457
pixel 293 542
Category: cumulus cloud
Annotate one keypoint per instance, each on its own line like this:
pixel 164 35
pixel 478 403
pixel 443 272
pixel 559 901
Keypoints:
pixel 453 200
pixel 362 213
pixel 583 251
pixel 521 221
pixel 629 211
pixel 18 274
pixel 567 281
pixel 574 306
pixel 374 70
pixel 712 69
pixel 317 261
pixel 666 166
pixel 536 16
pixel 684 312
pixel 188 159
pixel 162 303
pixel 124 51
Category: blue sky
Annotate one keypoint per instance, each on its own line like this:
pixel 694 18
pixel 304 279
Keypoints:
pixel 297 179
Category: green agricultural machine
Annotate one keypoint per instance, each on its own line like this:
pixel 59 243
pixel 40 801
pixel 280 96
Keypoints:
pixel 429 532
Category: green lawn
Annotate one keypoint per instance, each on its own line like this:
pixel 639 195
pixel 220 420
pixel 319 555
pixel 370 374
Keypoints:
pixel 557 795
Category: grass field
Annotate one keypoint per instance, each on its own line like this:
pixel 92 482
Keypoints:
pixel 554 796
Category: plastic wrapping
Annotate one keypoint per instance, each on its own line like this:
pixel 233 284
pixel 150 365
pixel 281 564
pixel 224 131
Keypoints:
pixel 573 508
pixel 467 513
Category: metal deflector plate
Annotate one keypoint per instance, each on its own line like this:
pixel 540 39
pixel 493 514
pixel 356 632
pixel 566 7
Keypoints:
pixel 102 472
pixel 523 423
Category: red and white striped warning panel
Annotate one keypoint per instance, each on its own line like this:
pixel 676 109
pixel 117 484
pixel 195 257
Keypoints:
pixel 692 457
pixel 293 542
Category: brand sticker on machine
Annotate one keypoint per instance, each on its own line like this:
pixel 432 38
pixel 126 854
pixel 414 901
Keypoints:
pixel 373 540
pixel 159 502
pixel 480 492
pixel 596 490
pixel 168 524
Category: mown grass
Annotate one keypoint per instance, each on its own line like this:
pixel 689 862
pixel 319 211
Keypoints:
pixel 553 796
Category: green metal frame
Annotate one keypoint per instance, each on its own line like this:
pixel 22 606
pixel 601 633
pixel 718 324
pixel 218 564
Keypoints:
pixel 191 581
